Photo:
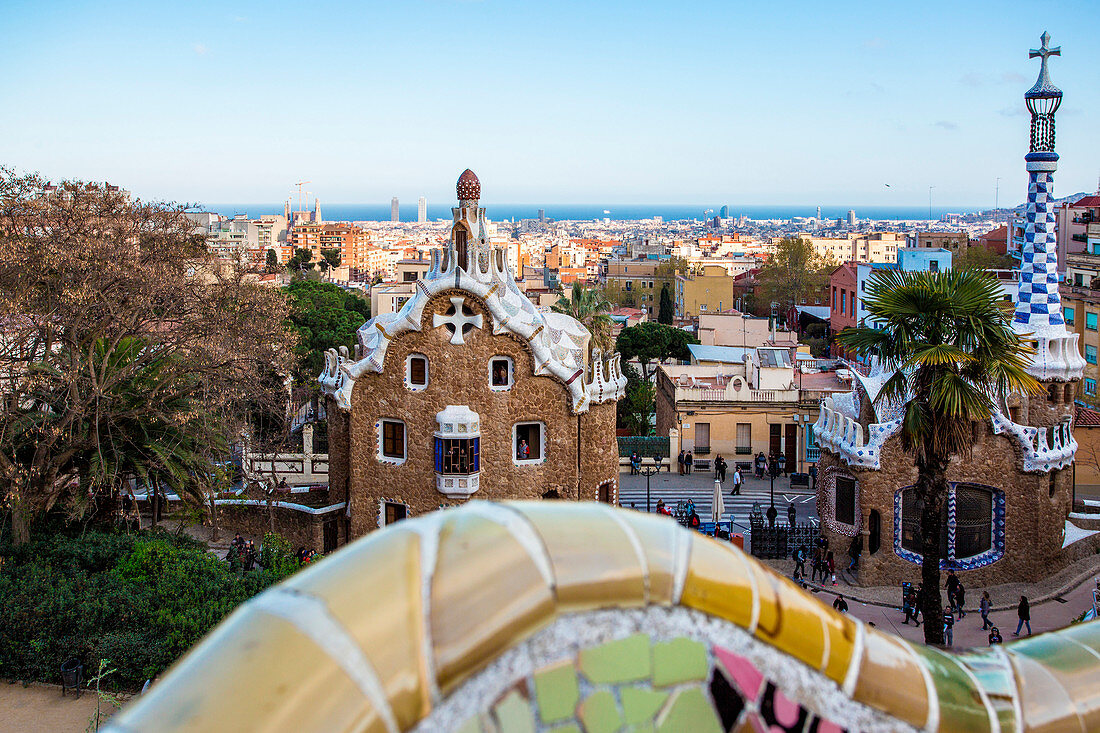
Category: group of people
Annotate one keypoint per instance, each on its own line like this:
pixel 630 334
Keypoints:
pixel 305 556
pixel 242 554
pixel 822 563
pixel 685 461
pixel 913 602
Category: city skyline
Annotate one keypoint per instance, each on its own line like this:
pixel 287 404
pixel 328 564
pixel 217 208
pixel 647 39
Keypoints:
pixel 719 103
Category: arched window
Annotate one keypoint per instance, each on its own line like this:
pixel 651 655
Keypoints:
pixel 874 532
pixel 1069 392
pixel 1053 393
pixel 971 528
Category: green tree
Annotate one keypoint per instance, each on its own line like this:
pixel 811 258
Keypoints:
pixel 793 272
pixel 325 316
pixel 652 341
pixel 301 262
pixel 590 307
pixel 948 340
pixel 271 263
pixel 665 310
pixel 634 411
pixel 979 257
pixel 331 255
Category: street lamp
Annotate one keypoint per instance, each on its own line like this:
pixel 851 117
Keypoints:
pixel 649 471
pixel 776 465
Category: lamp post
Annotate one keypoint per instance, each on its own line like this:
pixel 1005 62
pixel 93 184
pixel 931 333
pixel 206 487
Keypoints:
pixel 649 471
pixel 775 466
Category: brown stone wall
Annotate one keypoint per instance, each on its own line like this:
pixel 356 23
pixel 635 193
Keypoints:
pixel 299 528
pixel 459 375
pixel 337 451
pixel 1034 513
pixel 1044 413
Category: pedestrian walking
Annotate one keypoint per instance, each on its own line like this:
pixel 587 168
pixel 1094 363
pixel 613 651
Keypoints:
pixel 800 560
pixel 1024 612
pixel 813 475
pixel 830 566
pixel 635 463
pixel 680 463
pixel 689 459
pixel 960 599
pixel 855 549
pixel 761 463
pixel 738 480
pixel 720 466
pixel 948 626
pixel 840 604
pixel 985 606
pixel 952 585
pixel 909 605
pixel 918 605
pixel 791 514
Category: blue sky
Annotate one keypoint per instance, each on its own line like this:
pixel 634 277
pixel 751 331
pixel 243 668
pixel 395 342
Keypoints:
pixel 553 102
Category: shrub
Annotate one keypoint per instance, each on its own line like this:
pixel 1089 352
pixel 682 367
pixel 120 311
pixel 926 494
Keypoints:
pixel 140 600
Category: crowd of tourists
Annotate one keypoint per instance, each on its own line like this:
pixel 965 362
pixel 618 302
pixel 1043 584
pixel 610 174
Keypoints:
pixel 913 602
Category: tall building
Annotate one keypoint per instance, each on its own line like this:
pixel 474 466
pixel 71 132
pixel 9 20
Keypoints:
pixel 819 213
pixel 724 212
pixel 851 217
pixel 1007 514
pixel 395 210
pixel 421 210
pixel 542 216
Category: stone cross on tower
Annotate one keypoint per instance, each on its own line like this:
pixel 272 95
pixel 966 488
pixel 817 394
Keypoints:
pixel 456 320
pixel 1045 51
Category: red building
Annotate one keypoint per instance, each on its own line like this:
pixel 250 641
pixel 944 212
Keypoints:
pixel 842 302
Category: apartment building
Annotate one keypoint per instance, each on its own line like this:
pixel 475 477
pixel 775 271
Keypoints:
pixel 708 290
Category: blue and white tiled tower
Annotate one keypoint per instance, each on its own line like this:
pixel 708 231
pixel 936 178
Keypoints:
pixel 1039 309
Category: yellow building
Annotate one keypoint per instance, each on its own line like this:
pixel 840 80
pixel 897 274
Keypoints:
pixel 709 290
pixel 763 405
pixel 636 281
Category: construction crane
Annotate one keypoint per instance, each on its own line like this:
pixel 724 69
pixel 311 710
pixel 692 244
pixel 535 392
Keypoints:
pixel 300 184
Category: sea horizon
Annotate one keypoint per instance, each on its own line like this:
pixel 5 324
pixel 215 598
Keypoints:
pixel 590 212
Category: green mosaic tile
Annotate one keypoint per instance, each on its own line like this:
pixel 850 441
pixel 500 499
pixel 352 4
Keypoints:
pixel 624 660
pixel 513 714
pixel 568 728
pixel 557 692
pixel 690 710
pixel 679 660
pixel 599 713
pixel 640 705
pixel 473 725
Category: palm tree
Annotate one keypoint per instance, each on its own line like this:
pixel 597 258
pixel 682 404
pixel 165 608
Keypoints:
pixel 948 339
pixel 592 308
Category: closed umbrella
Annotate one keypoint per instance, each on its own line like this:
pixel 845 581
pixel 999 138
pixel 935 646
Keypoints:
pixel 718 505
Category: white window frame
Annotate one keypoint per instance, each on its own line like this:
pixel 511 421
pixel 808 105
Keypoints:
pixel 542 443
pixel 408 372
pixel 511 373
pixel 382 511
pixel 382 457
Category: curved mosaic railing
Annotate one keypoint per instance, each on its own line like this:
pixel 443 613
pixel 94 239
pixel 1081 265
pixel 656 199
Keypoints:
pixel 1044 449
pixel 391 630
pixel 843 435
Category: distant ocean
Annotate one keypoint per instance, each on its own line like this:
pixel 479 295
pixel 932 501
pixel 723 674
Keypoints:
pixel 588 212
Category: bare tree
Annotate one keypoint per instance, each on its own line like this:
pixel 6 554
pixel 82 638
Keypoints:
pixel 126 350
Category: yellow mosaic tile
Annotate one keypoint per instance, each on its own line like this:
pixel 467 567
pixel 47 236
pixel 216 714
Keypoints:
pixel 890 680
pixel 799 631
pixel 718 582
pixel 595 564
pixel 659 538
pixel 841 630
pixel 487 593
pixel 215 687
pixel 392 634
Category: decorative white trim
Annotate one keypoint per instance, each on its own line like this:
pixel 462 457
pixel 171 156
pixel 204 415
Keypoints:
pixel 542 443
pixel 281 505
pixel 382 510
pixel 511 374
pixel 408 373
pixel 382 458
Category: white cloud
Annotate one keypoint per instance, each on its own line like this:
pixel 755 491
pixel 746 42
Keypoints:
pixel 199 48
pixel 946 125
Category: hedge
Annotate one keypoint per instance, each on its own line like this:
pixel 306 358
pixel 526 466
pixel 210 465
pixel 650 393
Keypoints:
pixel 140 600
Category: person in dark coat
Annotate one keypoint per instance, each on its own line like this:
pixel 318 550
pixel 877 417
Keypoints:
pixel 855 549
pixel 1024 612
pixel 791 514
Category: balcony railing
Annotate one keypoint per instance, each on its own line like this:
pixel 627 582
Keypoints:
pixel 813 454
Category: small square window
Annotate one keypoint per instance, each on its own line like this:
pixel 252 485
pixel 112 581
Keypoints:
pixel 393 439
pixel 500 373
pixel 416 371
pixel 393 512
pixel 1090 353
pixel 1090 386
pixel 1090 321
pixel 527 442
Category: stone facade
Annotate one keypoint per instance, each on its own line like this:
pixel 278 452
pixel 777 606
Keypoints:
pixel 580 453
pixel 430 368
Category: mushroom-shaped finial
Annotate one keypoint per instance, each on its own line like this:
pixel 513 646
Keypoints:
pixel 469 188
